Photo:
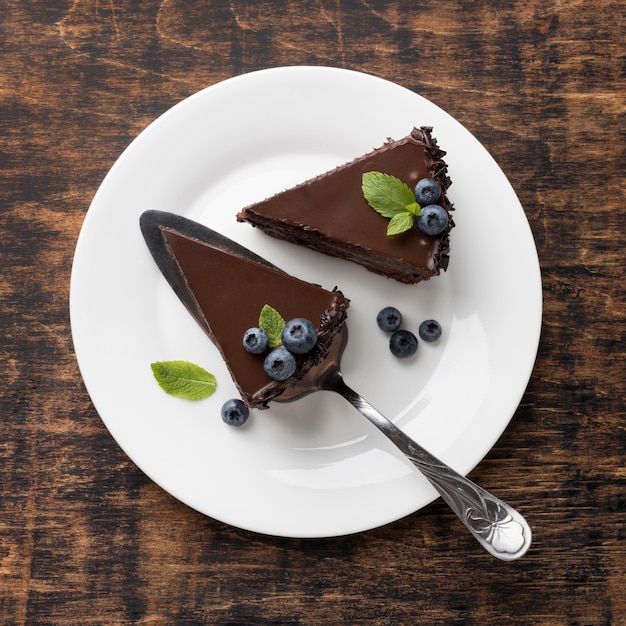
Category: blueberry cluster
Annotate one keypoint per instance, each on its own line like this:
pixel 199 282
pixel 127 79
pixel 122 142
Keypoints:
pixel 403 343
pixel 299 336
pixel 434 218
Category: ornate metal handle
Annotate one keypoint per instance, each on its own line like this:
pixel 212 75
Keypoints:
pixel 498 527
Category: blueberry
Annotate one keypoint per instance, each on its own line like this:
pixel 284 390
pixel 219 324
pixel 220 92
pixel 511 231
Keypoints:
pixel 430 330
pixel 433 220
pixel 255 340
pixel 279 364
pixel 403 344
pixel 299 336
pixel 235 412
pixel 389 319
pixel 427 191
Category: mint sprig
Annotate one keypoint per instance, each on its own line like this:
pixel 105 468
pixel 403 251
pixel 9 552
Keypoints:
pixel 272 322
pixel 184 379
pixel 391 198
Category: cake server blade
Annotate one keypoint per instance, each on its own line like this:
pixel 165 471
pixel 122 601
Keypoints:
pixel 153 223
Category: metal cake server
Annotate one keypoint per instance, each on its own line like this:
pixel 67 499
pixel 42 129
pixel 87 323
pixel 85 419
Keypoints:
pixel 498 527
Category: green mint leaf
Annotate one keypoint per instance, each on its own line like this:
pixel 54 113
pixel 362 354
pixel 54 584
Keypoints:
pixel 184 379
pixel 400 223
pixel 271 321
pixel 414 208
pixel 386 194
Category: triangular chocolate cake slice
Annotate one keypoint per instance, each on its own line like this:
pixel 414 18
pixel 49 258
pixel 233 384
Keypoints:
pixel 224 286
pixel 330 214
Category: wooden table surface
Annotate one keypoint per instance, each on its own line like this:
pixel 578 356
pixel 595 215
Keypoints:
pixel 87 538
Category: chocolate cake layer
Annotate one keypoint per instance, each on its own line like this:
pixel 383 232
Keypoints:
pixel 330 214
pixel 225 291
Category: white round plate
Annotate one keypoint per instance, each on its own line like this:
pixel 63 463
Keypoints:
pixel 314 468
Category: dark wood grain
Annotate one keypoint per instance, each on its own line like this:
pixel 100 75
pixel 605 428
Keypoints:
pixel 86 538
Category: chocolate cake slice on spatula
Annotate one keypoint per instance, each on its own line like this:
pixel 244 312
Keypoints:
pixel 225 286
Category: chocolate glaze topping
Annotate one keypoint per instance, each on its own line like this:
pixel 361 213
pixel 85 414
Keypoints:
pixel 230 292
pixel 329 213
